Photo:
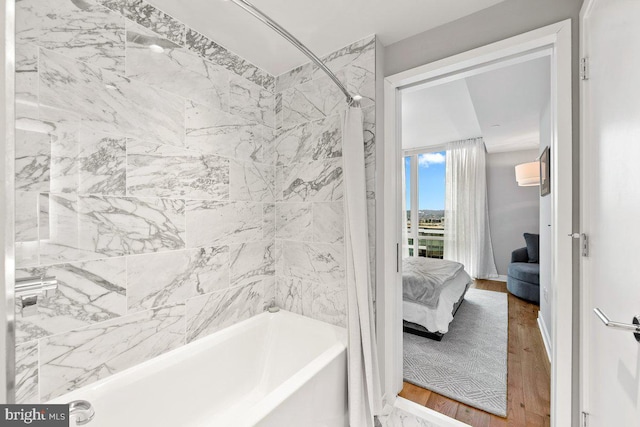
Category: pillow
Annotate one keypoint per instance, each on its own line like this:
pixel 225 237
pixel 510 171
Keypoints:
pixel 533 247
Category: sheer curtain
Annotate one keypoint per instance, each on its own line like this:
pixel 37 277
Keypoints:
pixel 363 376
pixel 467 232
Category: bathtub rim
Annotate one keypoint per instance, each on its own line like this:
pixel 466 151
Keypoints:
pixel 261 409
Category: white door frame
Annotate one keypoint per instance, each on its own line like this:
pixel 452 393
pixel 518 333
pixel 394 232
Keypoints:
pixel 555 38
pixel 585 295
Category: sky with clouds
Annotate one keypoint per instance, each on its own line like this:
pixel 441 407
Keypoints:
pixel 431 180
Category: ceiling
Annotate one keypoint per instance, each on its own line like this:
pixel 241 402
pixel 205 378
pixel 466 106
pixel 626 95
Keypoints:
pixel 503 106
pixel 324 26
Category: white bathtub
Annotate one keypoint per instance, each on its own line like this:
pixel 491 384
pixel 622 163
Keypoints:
pixel 277 369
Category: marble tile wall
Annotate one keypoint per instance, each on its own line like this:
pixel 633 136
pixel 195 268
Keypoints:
pixel 309 209
pixel 146 183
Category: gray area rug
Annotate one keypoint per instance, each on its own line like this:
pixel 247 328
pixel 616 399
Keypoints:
pixel 470 363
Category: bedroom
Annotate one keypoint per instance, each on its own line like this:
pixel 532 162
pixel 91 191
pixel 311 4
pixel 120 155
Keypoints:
pixel 470 149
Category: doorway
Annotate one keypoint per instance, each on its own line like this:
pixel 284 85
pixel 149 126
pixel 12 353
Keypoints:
pixel 552 41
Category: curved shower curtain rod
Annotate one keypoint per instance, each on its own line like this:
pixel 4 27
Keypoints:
pixel 351 100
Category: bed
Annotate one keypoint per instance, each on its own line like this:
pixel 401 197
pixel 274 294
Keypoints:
pixel 432 292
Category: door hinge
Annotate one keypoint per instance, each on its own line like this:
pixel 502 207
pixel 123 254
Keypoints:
pixel 584 242
pixel 585 419
pixel 584 69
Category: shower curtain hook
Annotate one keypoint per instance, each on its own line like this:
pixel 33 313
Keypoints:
pixel 354 101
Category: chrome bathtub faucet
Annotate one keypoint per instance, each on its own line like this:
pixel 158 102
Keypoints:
pixel 82 411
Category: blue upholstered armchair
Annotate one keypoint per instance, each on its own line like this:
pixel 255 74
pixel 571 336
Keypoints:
pixel 523 274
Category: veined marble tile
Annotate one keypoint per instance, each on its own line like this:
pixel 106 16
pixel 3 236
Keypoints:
pixel 102 164
pixel 316 180
pixel 63 129
pixel 84 161
pixel 27 254
pixel 251 181
pixel 90 227
pixel 269 292
pixel 88 292
pixel 111 103
pixel 216 53
pixel 317 262
pixel 370 150
pixel 294 221
pixel 330 303
pixel 294 77
pixel 33 161
pixel 328 222
pixel 215 223
pixel 26 80
pixel 294 295
pixel 74 359
pixel 327 138
pixel 213 131
pixel 294 145
pixel 251 262
pixel 27 373
pixel 362 81
pixel 251 101
pixel 360 53
pixel 321 139
pixel 168 171
pixel 269 221
pixel 26 214
pixel 209 313
pixel 278 109
pixel 312 100
pixel 269 155
pixel 81 30
pixel 278 249
pixel 165 278
pixel 176 69
pixel 149 17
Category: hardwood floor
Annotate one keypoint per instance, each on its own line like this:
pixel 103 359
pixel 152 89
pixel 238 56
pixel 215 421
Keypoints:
pixel 528 374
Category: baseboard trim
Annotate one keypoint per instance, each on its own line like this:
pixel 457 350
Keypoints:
pixel 501 278
pixel 545 335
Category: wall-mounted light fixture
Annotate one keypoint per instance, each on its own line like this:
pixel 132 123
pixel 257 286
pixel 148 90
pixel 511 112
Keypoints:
pixel 528 174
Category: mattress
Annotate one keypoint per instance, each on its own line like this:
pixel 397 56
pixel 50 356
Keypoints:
pixel 438 319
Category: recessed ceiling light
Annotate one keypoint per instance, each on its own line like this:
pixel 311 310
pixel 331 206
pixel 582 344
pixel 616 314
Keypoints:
pixel 156 48
pixel 495 126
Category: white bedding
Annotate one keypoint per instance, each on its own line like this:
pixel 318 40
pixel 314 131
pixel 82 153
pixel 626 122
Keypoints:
pixel 438 319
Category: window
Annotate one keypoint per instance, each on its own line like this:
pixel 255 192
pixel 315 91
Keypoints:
pixel 425 198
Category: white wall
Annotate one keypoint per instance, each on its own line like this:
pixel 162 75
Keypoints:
pixel 498 22
pixel 513 210
pixel 546 289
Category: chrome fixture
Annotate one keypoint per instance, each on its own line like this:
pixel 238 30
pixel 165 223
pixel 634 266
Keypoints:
pixel 632 327
pixel 82 410
pixel 273 308
pixel 31 290
pixel 351 100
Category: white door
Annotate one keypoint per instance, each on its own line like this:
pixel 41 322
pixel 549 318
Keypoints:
pixel 611 210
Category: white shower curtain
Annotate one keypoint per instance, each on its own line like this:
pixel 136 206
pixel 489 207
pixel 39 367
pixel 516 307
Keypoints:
pixel 467 232
pixel 363 375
